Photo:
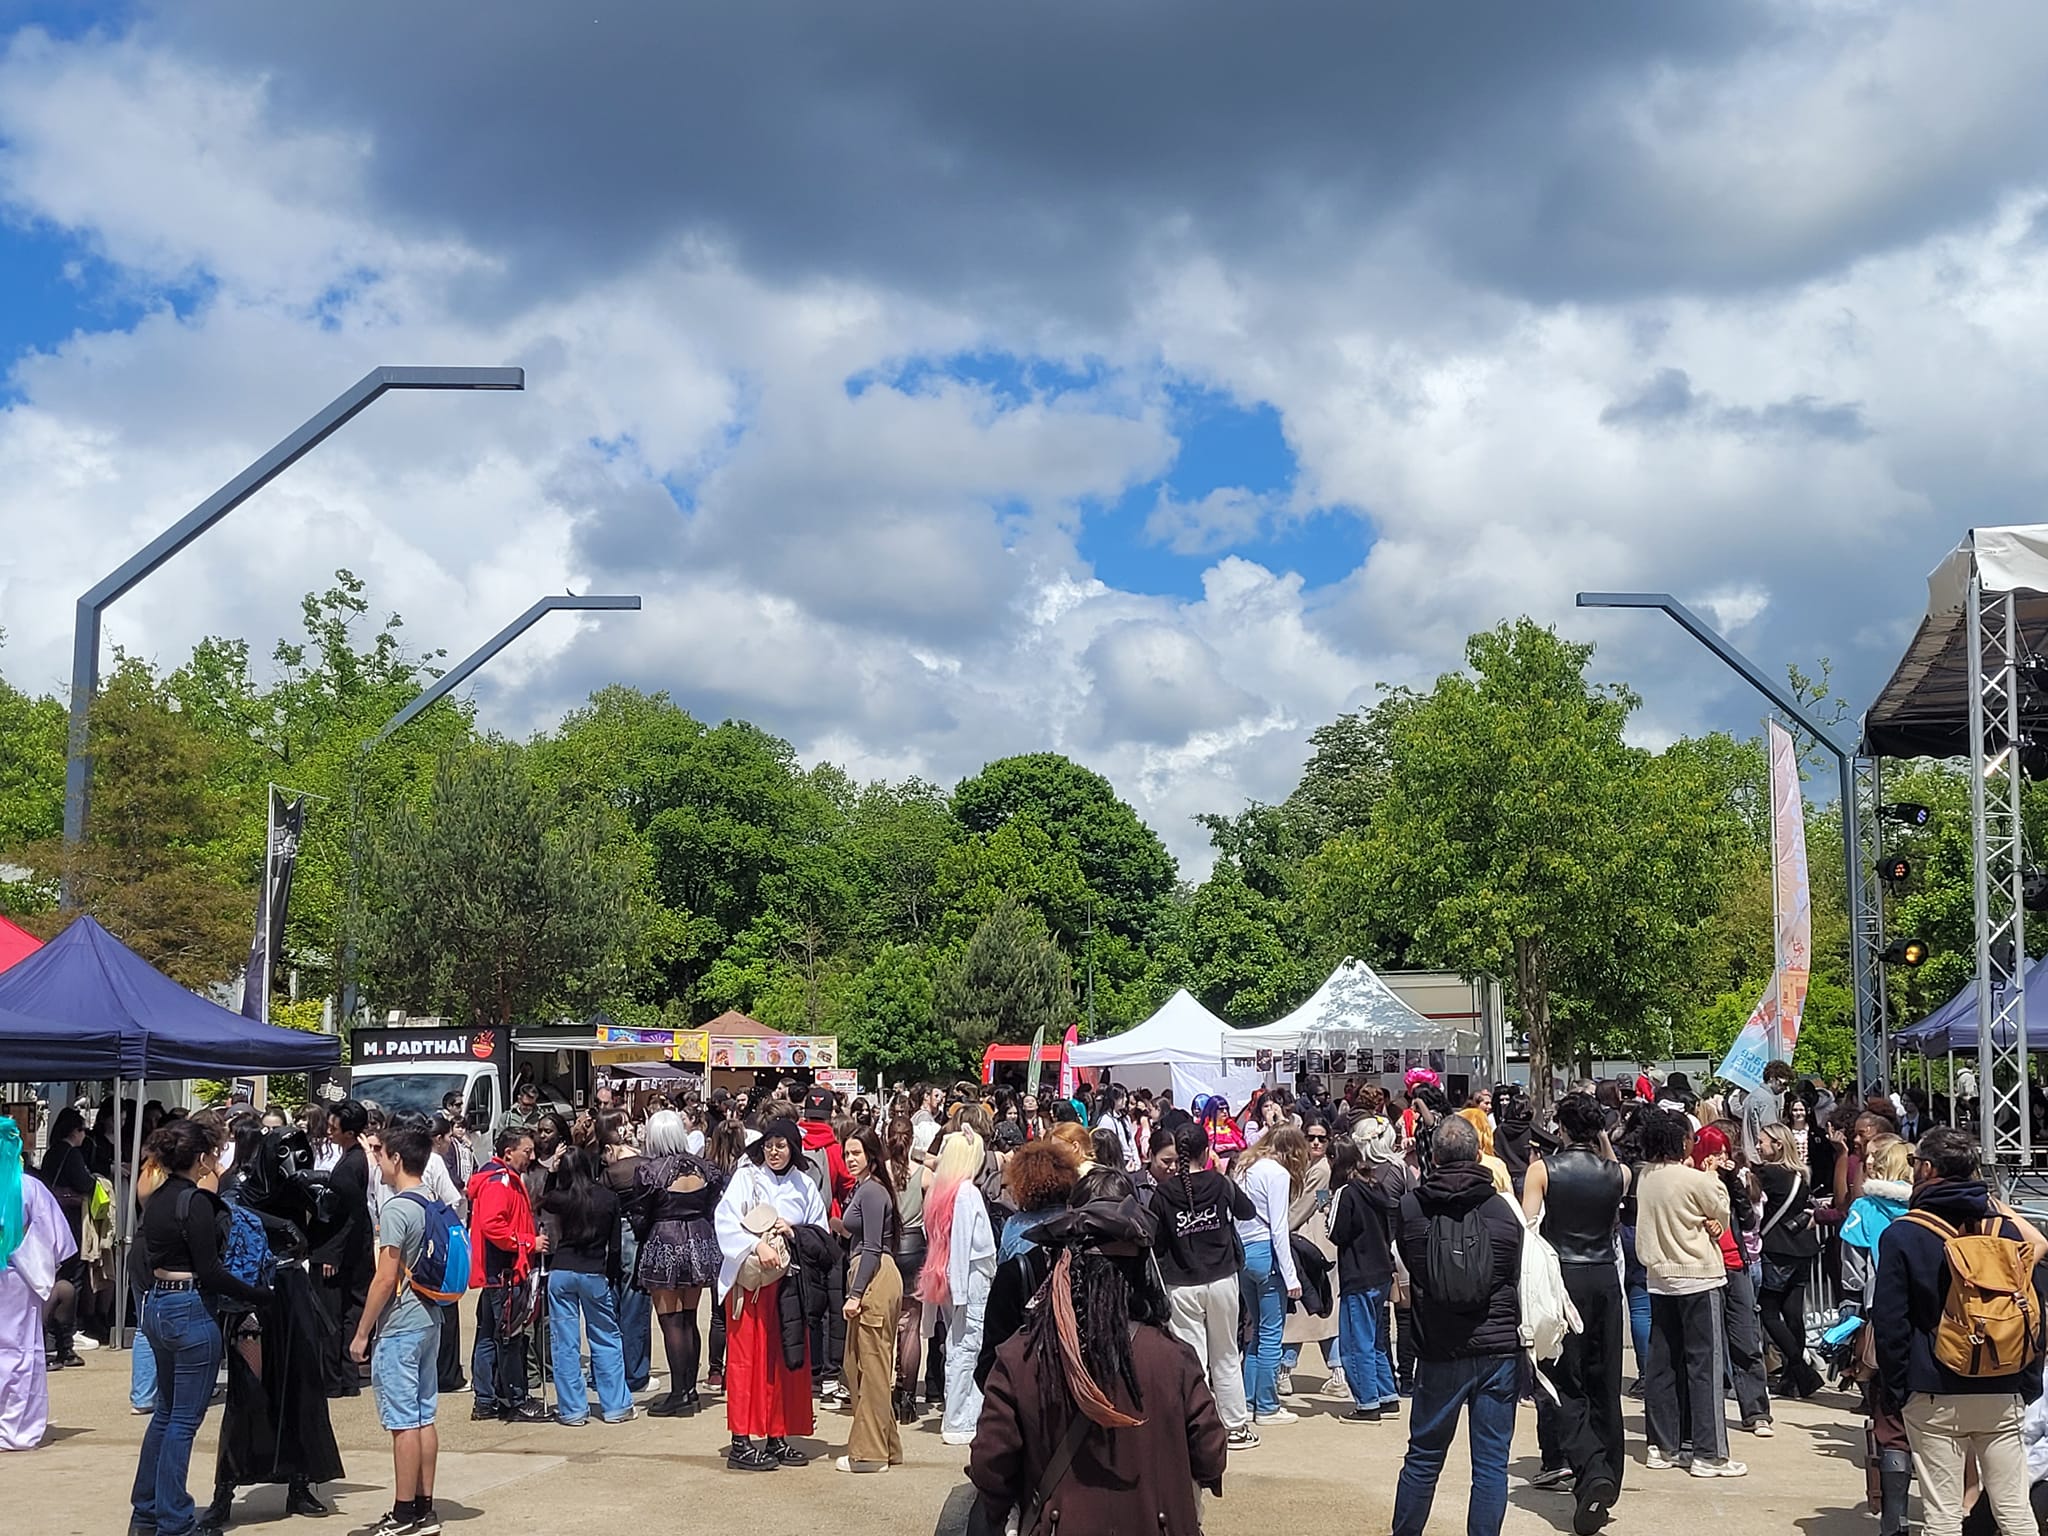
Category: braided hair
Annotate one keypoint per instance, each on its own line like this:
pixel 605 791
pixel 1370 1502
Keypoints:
pixel 1109 1295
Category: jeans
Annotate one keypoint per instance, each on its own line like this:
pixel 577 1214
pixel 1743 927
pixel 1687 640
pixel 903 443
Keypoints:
pixel 141 1371
pixel 1368 1364
pixel 1636 1283
pixel 497 1361
pixel 1682 1394
pixel 963 1347
pixel 1290 1354
pixel 1587 1375
pixel 1745 1349
pixel 1265 1298
pixel 635 1309
pixel 1204 1318
pixel 1442 1387
pixel 185 1340
pixel 570 1294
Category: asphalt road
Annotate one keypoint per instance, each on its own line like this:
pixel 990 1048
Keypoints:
pixel 660 1475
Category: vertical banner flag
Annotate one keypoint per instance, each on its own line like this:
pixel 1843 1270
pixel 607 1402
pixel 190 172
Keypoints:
pixel 1073 1038
pixel 287 821
pixel 1772 1033
pixel 1035 1068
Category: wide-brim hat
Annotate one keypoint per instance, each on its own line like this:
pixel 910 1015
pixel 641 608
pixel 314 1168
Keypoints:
pixel 787 1129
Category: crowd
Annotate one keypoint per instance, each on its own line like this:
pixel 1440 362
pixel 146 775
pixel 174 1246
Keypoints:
pixel 1100 1299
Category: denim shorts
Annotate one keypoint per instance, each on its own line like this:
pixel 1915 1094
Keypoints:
pixel 405 1374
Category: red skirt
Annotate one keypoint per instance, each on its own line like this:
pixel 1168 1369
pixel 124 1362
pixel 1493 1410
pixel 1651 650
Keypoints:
pixel 762 1395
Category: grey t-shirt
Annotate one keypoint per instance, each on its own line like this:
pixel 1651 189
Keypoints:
pixel 402 1224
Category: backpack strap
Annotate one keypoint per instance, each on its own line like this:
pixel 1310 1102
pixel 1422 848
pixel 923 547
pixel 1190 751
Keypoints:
pixel 1934 1224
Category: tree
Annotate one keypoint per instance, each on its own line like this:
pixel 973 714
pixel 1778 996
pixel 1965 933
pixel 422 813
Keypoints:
pixel 890 1025
pixel 1349 768
pixel 498 904
pixel 156 866
pixel 1006 982
pixel 1519 835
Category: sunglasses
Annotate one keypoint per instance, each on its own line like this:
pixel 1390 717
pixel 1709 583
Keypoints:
pixel 1318 1138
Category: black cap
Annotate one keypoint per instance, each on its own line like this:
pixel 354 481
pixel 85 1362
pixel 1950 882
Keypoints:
pixel 818 1104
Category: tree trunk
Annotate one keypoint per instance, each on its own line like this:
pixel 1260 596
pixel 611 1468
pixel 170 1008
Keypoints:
pixel 1533 990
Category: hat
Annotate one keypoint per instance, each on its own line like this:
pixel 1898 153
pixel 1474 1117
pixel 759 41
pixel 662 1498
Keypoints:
pixel 786 1128
pixel 818 1104
pixel 1419 1077
pixel 1009 1136
pixel 1094 1225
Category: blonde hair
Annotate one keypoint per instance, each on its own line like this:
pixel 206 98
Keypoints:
pixel 1285 1145
pixel 1476 1118
pixel 1781 1133
pixel 1888 1157
pixel 959 1157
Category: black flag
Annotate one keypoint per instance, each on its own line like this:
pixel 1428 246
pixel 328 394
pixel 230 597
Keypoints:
pixel 287 821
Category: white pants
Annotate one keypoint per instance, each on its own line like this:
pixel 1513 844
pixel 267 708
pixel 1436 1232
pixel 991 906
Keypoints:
pixel 963 1347
pixel 1205 1319
pixel 1942 1431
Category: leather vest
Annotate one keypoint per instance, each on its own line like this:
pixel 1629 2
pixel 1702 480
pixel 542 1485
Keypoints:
pixel 1581 1205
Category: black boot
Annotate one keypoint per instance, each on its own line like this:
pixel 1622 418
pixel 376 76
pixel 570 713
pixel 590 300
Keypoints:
pixel 1895 1482
pixel 302 1500
pixel 215 1516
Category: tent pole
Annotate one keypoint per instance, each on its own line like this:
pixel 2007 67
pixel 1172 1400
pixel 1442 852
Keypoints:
pixel 120 1228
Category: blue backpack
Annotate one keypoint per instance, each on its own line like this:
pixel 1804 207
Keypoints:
pixel 244 1245
pixel 442 1274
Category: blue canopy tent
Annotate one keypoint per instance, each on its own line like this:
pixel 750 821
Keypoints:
pixel 85 1005
pixel 1952 1028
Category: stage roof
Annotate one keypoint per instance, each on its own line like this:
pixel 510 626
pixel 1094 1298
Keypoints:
pixel 1924 711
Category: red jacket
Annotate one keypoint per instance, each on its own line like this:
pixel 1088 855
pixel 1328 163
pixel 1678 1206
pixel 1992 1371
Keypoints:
pixel 500 1225
pixel 818 1137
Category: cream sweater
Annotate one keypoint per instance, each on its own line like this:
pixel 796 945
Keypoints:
pixel 1674 1203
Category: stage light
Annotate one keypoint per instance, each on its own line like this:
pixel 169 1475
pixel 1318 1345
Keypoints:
pixel 1908 812
pixel 1907 952
pixel 1895 870
pixel 2034 890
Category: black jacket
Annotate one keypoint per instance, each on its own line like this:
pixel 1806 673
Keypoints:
pixel 1313 1271
pixel 1194 1224
pixel 1440 1332
pixel 1009 1303
pixel 1912 1282
pixel 1361 1227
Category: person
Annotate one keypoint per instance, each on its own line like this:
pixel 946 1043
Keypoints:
pixel 1887 1195
pixel 67 1173
pixel 1576 1192
pixel 874 1302
pixel 678 1249
pixel 579 1218
pixel 502 1246
pixel 908 1176
pixel 1308 1219
pixel 345 1259
pixel 1790 1246
pixel 179 1247
pixel 1467 1330
pixel 1681 1212
pixel 524 1114
pixel 449 1169
pixel 35 1245
pixel 1037 1179
pixel 1361 1229
pixel 1950 1417
pixel 1226 1139
pixel 405 1370
pixel 959 1269
pixel 1196 1216
pixel 1271 1174
pixel 1097 1370
pixel 1741 1328
pixel 1482 1127
pixel 1160 1162
pixel 1768 1105
pixel 314 1121
pixel 768 1368
pixel 274 1425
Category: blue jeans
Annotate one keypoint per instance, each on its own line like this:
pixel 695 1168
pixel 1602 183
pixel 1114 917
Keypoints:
pixel 1368 1358
pixel 1265 1297
pixel 635 1309
pixel 568 1295
pixel 141 1371
pixel 1487 1383
pixel 184 1340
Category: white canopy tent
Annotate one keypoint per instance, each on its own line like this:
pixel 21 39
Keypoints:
pixel 1355 1010
pixel 1177 1048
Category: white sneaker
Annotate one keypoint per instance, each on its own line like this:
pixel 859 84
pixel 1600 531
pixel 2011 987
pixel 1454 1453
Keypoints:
pixel 1277 1416
pixel 848 1464
pixel 1762 1429
pixel 1242 1439
pixel 1659 1462
pixel 1726 1467
pixel 1283 1383
pixel 1336 1386
pixel 85 1343
pixel 952 1437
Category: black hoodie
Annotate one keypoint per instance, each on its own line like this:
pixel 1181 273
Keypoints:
pixel 1194 1224
pixel 1442 1333
pixel 1912 1282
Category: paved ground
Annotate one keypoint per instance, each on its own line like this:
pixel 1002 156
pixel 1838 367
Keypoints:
pixel 657 1475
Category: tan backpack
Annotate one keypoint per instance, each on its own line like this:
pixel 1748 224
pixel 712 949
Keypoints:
pixel 1989 1324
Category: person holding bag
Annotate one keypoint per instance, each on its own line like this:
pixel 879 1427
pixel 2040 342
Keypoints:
pixel 1790 1246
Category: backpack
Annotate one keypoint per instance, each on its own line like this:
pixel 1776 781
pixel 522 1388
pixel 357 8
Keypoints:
pixel 442 1274
pixel 1460 1261
pixel 244 1246
pixel 1989 1325
pixel 1548 1316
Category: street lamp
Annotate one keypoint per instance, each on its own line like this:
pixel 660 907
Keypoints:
pixel 85 636
pixel 1865 924
pixel 448 681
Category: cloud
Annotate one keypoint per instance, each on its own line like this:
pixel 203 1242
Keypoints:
pixel 1669 399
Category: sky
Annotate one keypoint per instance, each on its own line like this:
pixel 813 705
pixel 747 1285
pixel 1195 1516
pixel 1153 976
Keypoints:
pixel 1148 382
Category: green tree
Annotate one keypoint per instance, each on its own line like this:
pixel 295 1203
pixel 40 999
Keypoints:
pixel 1349 768
pixel 497 904
pixel 1006 982
pixel 890 1024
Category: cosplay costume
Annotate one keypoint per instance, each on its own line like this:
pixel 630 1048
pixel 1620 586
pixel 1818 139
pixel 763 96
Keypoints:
pixel 35 1238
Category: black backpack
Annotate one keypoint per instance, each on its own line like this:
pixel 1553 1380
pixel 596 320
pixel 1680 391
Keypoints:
pixel 1460 1261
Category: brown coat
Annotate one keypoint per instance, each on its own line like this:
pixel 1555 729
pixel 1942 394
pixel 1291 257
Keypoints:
pixel 1123 1482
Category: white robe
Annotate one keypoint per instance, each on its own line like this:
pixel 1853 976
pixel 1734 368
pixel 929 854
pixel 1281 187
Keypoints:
pixel 25 1286
pixel 791 1193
